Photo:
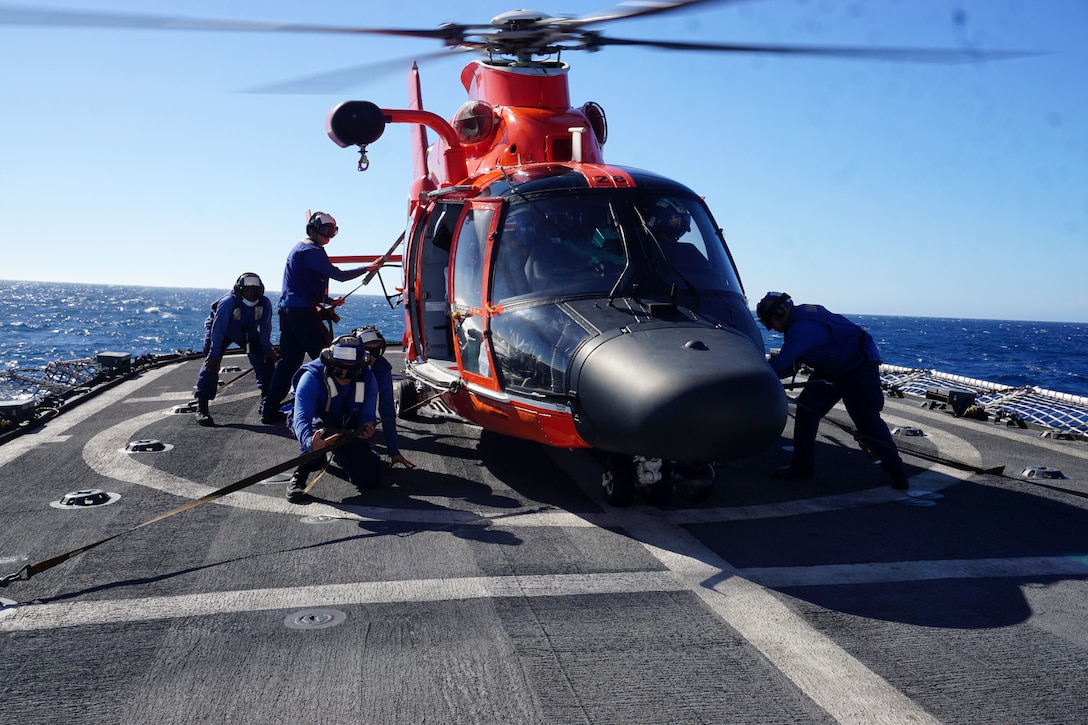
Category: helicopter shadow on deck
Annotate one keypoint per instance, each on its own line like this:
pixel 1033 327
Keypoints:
pixel 391 495
pixel 973 524
pixel 479 530
pixel 401 488
pixel 527 469
pixel 521 465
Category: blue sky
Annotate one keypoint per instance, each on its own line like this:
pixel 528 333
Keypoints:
pixel 135 157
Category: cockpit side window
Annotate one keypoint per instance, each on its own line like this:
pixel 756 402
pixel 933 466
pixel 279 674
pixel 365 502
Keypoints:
pixel 468 268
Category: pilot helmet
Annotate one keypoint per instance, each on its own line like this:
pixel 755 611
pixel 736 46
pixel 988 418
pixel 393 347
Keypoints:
pixel 669 217
pixel 346 357
pixel 773 304
pixel 249 288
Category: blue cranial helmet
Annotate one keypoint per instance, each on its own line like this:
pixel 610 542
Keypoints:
pixel 249 287
pixel 773 304
pixel 372 340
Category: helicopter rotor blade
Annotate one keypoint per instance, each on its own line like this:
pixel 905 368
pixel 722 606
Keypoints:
pixel 341 79
pixel 633 9
pixel 541 36
pixel 916 55
pixel 20 15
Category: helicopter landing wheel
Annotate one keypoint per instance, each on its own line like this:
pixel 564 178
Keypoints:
pixel 618 481
pixel 407 400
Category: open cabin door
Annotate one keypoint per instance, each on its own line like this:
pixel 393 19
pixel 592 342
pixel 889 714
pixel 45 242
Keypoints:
pixel 468 313
pixel 428 281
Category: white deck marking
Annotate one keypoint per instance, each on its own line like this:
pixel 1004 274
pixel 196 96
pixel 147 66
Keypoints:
pixel 56 430
pixel 828 675
pixel 90 613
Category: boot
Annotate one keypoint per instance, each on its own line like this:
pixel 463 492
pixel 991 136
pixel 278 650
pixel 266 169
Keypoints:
pixel 203 417
pixel 271 414
pixel 296 487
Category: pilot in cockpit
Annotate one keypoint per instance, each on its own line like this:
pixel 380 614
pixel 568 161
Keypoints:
pixel 668 220
pixel 519 234
pixel 682 248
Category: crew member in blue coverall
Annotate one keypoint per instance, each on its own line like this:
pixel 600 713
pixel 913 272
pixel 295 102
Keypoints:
pixel 335 394
pixel 244 317
pixel 846 366
pixel 304 304
pixel 374 341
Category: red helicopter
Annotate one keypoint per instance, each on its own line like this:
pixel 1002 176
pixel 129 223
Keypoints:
pixel 550 295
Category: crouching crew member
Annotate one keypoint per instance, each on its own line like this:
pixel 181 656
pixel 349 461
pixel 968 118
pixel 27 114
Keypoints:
pixel 304 307
pixel 242 317
pixel 846 367
pixel 374 341
pixel 336 394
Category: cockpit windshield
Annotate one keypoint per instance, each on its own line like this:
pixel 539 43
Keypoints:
pixel 601 242
pixel 565 246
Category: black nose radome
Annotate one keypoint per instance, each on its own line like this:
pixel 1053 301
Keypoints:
pixel 665 393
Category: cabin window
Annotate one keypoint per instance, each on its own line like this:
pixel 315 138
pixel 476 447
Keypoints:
pixel 468 289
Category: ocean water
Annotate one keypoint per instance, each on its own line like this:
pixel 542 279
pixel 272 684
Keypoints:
pixel 44 321
pixel 1050 355
pixel 41 322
